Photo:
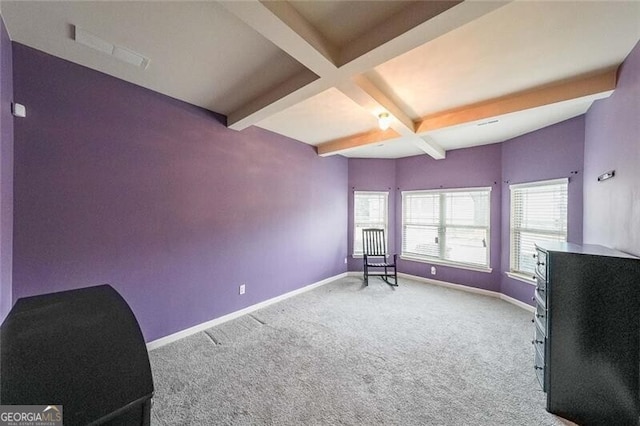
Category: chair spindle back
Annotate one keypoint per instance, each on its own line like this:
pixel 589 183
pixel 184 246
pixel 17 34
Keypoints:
pixel 373 242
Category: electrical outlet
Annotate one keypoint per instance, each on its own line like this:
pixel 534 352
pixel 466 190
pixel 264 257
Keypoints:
pixel 345 260
pixel 433 270
pixel 242 288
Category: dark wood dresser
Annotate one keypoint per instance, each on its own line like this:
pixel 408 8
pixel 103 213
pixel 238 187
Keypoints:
pixel 587 333
pixel 82 349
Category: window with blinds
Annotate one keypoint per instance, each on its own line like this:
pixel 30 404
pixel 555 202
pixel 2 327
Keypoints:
pixel 538 213
pixel 447 226
pixel 370 210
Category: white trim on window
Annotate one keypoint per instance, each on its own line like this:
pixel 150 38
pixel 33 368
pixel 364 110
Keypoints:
pixel 539 212
pixel 450 227
pixel 539 183
pixel 445 263
pixel 522 277
pixel 374 214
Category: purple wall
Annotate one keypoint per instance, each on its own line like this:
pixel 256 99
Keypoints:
pixel 612 141
pixel 462 168
pixel 117 184
pixel 6 172
pixel 371 175
pixel 549 153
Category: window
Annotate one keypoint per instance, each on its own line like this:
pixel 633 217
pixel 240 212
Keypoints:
pixel 369 211
pixel 447 226
pixel 538 213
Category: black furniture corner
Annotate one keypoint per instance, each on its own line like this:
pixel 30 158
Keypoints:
pixel 82 349
pixel 374 247
pixel 587 333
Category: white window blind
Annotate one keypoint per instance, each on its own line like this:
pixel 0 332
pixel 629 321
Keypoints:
pixel 538 213
pixel 447 225
pixel 370 210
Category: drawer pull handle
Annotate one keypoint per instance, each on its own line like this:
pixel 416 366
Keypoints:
pixel 539 263
pixel 539 316
pixel 537 342
pixel 538 368
pixel 535 255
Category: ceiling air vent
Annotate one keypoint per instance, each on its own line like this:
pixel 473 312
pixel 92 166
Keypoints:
pixel 488 122
pixel 118 52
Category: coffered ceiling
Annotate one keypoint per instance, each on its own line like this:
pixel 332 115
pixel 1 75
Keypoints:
pixel 451 74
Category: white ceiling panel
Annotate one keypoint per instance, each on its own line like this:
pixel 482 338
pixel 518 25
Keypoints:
pixel 397 148
pixel 343 21
pixel 522 45
pixel 327 116
pixel 508 126
pixel 198 52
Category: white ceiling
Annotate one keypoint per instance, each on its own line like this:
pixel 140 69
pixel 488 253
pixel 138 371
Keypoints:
pixel 321 71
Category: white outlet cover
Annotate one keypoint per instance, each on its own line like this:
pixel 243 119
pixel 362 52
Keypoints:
pixel 19 110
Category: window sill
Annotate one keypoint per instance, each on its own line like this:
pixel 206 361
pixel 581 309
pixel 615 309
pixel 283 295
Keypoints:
pixel 521 277
pixel 445 263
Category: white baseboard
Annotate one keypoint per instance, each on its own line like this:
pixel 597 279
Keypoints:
pixel 461 287
pixel 154 344
pixel 518 303
pixel 468 289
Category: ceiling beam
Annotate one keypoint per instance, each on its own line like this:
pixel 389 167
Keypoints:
pixel 280 23
pixel 293 90
pixel 366 94
pixel 343 144
pixel 414 26
pixel 429 147
pixel 338 146
pixel 549 94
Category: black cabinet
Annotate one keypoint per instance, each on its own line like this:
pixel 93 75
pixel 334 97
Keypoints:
pixel 587 333
pixel 81 349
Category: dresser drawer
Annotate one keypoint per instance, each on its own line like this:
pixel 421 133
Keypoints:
pixel 541 315
pixel 539 366
pixel 541 293
pixel 541 265
pixel 539 341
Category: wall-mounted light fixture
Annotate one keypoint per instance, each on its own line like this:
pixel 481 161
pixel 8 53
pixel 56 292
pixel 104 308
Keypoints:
pixel 384 120
pixel 607 175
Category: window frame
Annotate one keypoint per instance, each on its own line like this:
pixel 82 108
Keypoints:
pixel 442 227
pixel 358 253
pixel 514 272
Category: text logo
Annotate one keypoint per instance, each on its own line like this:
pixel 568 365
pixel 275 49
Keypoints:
pixel 30 415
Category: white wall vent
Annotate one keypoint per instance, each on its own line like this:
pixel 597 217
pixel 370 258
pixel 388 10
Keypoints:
pixel 126 55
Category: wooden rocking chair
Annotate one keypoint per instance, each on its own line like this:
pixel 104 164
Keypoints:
pixel 375 256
